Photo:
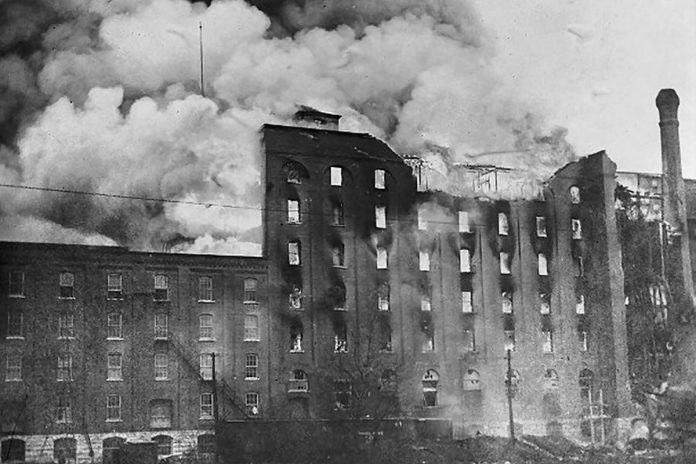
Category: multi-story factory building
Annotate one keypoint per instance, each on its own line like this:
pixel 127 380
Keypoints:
pixel 374 298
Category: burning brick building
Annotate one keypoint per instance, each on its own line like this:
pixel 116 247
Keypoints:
pixel 375 298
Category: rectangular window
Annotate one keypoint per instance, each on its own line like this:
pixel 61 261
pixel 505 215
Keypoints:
pixel 467 303
pixel 161 366
pixel 206 366
pixel 161 287
pixel 294 253
pixel 296 338
pixel 422 220
pixel 160 414
pixel 582 336
pixel 250 288
pixel 13 371
pixel 545 303
pixel 251 371
pixel 469 340
pixel 381 258
pixel 579 266
pixel 161 326
pixel 293 211
pixel 336 176
pixel 576 227
pixel 381 217
pixel 337 216
pixel 114 323
pixel 114 368
pixel 425 303
pixel 113 408
pixel 380 183
pixel 342 393
pixel 428 343
pixel 541 226
pixel 205 327
pixel 252 403
pixel 295 298
pixel 547 346
pixel 580 304
pixel 251 328
pixel 464 260
pixel 509 340
pixel 64 368
pixel 66 326
pixel 16 287
pixel 504 262
pixel 63 410
pixel 14 324
pixel 424 260
pixel 340 339
pixel 464 226
pixel 67 284
pixel 503 224
pixel 383 297
pixel 206 406
pixel 205 288
pixel 114 286
pixel 385 335
pixel 542 265
pixel 338 256
pixel 506 298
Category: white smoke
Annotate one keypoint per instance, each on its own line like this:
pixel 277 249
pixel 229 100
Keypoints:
pixel 125 117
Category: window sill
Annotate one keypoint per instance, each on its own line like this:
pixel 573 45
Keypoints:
pixel 164 339
pixel 66 297
pixel 252 378
pixel 162 380
pixel 206 418
pixel 66 338
pixel 340 267
pixel 14 337
pixel 250 302
pixel 162 301
pixel 206 301
pixel 64 380
pixel 113 421
pixel 206 339
pixel 115 339
pixel 114 380
pixel 13 380
pixel 338 225
pixel 294 223
pixel 297 351
pixel 114 299
pixel 252 340
pixel 16 296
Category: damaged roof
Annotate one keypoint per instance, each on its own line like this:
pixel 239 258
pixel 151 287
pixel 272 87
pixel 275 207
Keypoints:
pixel 306 141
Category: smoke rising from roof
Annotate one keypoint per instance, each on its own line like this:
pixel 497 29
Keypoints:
pixel 102 96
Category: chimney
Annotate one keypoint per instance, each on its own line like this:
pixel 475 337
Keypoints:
pixel 673 191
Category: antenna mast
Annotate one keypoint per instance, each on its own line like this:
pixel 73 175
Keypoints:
pixel 200 41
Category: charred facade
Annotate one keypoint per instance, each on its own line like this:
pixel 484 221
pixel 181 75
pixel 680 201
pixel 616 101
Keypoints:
pixel 375 298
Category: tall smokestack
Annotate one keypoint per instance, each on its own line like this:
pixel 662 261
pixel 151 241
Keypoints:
pixel 673 191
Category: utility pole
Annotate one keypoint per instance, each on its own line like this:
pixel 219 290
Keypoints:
pixel 508 384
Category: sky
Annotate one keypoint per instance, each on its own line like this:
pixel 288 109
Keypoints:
pixel 596 66
pixel 102 97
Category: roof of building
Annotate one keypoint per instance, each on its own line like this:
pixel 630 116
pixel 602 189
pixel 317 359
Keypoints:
pixel 304 141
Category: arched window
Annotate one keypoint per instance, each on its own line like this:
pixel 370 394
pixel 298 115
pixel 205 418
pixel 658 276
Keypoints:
pixel 295 173
pixel 164 445
pixel 471 380
pixel 574 192
pixel 110 447
pixel 65 450
pixel 430 381
pixel 13 450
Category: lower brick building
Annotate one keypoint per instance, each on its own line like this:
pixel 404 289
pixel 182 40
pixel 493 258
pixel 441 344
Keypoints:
pixel 375 298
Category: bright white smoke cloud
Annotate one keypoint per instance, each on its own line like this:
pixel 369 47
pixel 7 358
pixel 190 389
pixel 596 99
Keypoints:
pixel 123 115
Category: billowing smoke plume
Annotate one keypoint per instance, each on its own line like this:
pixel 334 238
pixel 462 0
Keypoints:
pixel 103 96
